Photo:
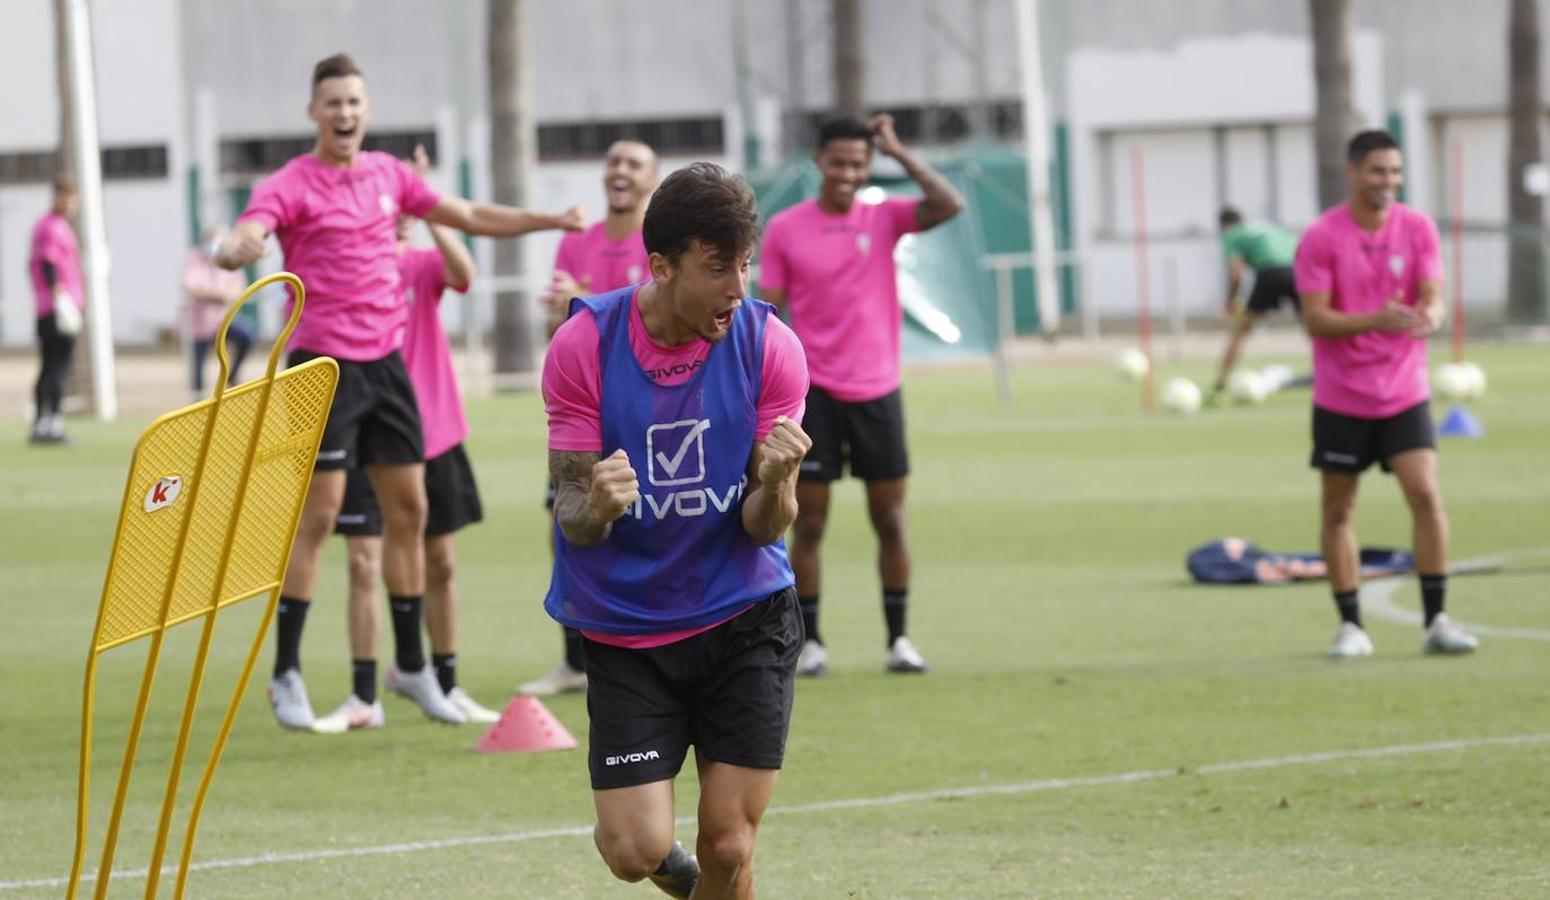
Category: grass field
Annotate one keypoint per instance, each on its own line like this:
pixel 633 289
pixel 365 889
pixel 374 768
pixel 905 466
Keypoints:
pixel 1068 743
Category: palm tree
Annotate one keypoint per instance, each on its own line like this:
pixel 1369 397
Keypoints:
pixel 513 154
pixel 1334 115
pixel 849 64
pixel 1525 229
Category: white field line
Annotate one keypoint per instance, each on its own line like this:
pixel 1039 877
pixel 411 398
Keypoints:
pixel 1026 787
pixel 1378 596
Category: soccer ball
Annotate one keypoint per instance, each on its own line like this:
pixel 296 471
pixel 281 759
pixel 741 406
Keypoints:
pixel 1132 364
pixel 1474 380
pixel 1247 387
pixel 1276 376
pixel 1459 382
pixel 1182 396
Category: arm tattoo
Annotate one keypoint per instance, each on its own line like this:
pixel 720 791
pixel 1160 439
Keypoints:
pixel 571 472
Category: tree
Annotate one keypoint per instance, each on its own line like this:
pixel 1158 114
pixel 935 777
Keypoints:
pixel 1525 229
pixel 513 154
pixel 849 64
pixel 1334 118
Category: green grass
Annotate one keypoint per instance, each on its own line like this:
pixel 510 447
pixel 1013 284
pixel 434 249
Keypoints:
pixel 1051 599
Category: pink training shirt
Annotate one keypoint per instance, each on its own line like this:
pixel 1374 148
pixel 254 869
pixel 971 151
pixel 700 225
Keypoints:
pixel 428 352
pixel 336 228
pixel 600 264
pixel 841 289
pixel 1375 374
pixel 53 242
pixel 573 399
pixel 202 276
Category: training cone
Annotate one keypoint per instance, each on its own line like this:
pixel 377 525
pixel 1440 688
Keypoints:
pixel 526 726
pixel 1461 423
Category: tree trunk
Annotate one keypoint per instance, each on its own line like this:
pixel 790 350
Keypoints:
pixel 1334 114
pixel 513 154
pixel 849 64
pixel 1525 229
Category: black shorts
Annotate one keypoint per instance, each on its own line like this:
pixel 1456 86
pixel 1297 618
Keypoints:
pixel 869 435
pixel 1272 288
pixel 727 691
pixel 1349 444
pixel 374 419
pixel 451 495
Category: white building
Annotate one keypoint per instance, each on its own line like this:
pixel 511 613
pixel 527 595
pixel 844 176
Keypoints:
pixel 197 99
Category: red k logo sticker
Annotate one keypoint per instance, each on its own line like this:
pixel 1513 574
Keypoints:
pixel 163 493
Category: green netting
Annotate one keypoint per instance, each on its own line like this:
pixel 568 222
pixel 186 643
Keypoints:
pixel 947 293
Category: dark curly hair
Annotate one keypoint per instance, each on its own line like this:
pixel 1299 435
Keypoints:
pixel 706 203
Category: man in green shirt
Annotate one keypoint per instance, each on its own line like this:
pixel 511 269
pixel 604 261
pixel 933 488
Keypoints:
pixel 1269 251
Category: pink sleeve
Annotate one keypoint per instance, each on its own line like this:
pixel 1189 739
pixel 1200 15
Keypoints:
pixel 573 387
pixel 1312 269
pixel 565 256
pixel 901 214
pixel 773 274
pixel 416 197
pixel 784 382
pixel 1428 250
pixel 268 205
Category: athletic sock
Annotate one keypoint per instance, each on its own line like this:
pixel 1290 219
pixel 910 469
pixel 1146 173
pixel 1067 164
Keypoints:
pixel 1434 589
pixel 573 657
pixel 446 670
pixel 1350 609
pixel 363 679
pixel 290 615
pixel 809 607
pixel 895 605
pixel 409 652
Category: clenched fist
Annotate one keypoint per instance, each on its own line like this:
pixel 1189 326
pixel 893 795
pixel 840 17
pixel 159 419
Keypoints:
pixel 614 487
pixel 782 451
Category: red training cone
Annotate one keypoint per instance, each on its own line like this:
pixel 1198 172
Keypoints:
pixel 525 726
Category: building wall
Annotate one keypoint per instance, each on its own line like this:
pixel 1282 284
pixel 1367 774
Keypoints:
pixel 1217 93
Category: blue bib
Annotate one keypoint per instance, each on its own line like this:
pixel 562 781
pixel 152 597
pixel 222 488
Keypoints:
pixel 679 558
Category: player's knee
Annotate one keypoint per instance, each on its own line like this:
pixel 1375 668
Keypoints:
pixel 889 523
pixel 726 849
pixel 438 565
pixel 1338 515
pixel 1424 499
pixel 406 514
pixel 810 526
pixel 316 525
pixel 364 563
pixel 631 857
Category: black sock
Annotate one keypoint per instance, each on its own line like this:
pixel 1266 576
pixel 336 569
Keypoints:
pixel 895 605
pixel 1434 589
pixel 290 615
pixel 409 652
pixel 1350 609
pixel 363 679
pixel 809 607
pixel 573 655
pixel 446 670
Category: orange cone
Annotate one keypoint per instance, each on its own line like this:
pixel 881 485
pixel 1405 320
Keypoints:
pixel 526 726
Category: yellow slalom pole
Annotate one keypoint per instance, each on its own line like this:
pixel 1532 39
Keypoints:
pixel 220 742
pixel 196 677
pixel 230 718
pixel 83 782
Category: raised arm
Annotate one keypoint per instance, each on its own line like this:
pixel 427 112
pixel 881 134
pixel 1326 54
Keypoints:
pixel 457 263
pixel 590 493
pixel 771 507
pixel 941 201
pixel 243 245
pixel 497 220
